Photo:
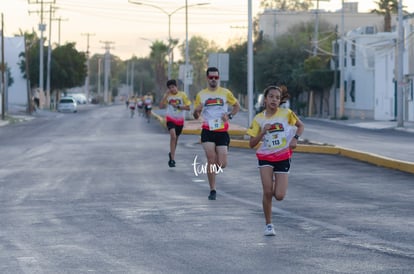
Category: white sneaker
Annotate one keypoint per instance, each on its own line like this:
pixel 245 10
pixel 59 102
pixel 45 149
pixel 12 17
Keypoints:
pixel 269 231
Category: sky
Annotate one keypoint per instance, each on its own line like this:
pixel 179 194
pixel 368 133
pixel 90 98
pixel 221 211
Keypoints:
pixel 130 29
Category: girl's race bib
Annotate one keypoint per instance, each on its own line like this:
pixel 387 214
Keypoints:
pixel 274 140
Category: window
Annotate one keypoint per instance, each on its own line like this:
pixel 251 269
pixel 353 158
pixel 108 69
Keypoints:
pixel 345 50
pixel 353 53
pixel 345 90
pixel 352 91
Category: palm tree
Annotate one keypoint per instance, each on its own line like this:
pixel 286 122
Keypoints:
pixel 386 8
pixel 287 5
pixel 159 52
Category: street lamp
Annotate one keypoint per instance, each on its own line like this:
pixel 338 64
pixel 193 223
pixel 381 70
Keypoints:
pixel 169 14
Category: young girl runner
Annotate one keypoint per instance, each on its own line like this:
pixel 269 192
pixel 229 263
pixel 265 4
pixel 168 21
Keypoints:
pixel 279 130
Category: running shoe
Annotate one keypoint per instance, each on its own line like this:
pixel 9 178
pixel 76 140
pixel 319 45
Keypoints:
pixel 171 162
pixel 269 230
pixel 212 195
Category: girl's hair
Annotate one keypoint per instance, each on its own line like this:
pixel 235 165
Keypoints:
pixel 284 95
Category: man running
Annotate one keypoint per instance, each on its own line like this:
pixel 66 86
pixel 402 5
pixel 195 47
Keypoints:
pixel 176 102
pixel 212 103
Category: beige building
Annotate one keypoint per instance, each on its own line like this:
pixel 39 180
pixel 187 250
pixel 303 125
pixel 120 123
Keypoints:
pixel 274 22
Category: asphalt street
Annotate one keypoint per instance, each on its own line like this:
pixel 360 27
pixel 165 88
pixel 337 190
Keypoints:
pixel 92 192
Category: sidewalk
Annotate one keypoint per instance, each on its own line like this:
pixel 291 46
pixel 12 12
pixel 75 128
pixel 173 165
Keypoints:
pixel 370 124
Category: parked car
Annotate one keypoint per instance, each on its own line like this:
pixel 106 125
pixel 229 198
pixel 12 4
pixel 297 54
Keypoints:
pixel 67 104
pixel 80 98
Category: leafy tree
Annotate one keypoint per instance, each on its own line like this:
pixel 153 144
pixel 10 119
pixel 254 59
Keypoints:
pixel 286 5
pixel 143 75
pixel 68 67
pixel 238 67
pixel 32 55
pixel 283 61
pixel 198 51
pixel 10 79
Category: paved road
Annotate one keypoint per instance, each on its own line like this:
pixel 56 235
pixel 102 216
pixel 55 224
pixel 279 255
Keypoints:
pixel 92 192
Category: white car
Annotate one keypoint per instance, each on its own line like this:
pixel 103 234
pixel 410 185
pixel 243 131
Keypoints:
pixel 67 104
pixel 80 98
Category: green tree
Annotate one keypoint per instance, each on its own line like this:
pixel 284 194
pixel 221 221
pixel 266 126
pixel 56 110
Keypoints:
pixel 68 67
pixel 238 68
pixel 283 61
pixel 319 78
pixel 198 51
pixel 31 57
pixel 10 79
pixel 142 74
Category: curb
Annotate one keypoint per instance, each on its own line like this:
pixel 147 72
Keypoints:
pixel 350 153
pixel 320 149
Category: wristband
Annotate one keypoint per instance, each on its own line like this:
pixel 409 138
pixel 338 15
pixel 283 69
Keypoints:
pixel 296 136
pixel 230 116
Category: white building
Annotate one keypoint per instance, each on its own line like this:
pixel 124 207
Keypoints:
pixel 273 23
pixel 370 60
pixel 16 94
pixel 370 63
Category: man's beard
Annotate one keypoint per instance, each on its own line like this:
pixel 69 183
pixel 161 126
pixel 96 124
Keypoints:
pixel 213 84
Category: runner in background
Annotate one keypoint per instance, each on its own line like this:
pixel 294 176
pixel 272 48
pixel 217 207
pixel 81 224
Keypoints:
pixel 176 103
pixel 148 101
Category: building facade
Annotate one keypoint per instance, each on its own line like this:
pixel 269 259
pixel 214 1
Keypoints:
pixel 16 93
pixel 370 74
pixel 370 61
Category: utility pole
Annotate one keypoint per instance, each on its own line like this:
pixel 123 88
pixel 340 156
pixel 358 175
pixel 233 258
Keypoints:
pixel 107 69
pixel 336 69
pixel 49 58
pixel 316 32
pixel 187 61
pixel 400 80
pixel 250 62
pixel 87 63
pixel 3 68
pixel 341 64
pixel 59 23
pixel 99 78
pixel 42 28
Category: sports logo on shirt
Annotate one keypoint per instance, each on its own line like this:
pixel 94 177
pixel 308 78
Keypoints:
pixel 276 127
pixel 174 101
pixel 214 102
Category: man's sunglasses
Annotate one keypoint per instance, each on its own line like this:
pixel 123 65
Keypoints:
pixel 213 77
